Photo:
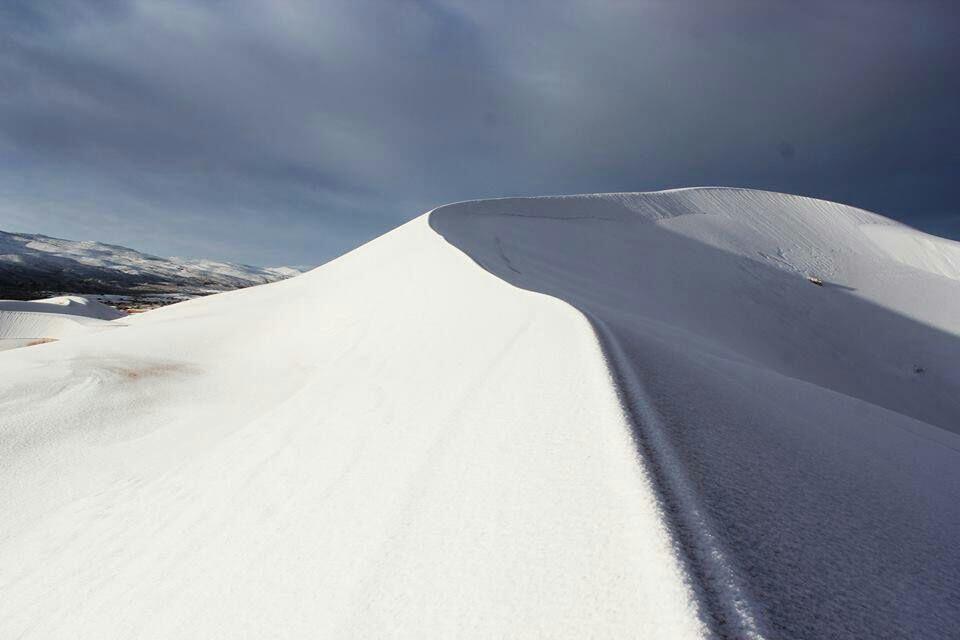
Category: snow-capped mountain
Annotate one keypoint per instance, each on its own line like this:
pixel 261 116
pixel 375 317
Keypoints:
pixel 35 263
pixel 702 413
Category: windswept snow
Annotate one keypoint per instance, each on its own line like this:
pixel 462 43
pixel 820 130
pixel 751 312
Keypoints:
pixel 613 416
pixel 25 322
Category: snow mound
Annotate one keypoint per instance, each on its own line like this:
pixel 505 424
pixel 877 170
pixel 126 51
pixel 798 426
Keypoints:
pixel 637 419
pixel 68 305
pixel 25 322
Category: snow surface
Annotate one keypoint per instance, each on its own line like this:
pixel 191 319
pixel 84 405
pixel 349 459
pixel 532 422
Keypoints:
pixel 661 429
pixel 24 322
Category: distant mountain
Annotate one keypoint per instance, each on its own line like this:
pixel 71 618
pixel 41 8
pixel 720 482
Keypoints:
pixel 34 264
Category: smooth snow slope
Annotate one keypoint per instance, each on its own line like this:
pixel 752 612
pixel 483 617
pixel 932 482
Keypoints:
pixel 683 438
pixel 390 446
pixel 23 322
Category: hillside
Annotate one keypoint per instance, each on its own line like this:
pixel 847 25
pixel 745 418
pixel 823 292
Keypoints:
pixel 621 415
pixel 32 264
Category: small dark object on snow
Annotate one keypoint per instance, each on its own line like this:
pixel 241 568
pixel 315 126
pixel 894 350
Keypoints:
pixel 917 369
pixel 815 280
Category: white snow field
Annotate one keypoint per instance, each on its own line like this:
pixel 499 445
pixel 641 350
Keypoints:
pixel 611 416
pixel 26 322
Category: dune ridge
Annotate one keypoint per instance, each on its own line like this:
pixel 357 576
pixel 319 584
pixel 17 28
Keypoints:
pixel 636 418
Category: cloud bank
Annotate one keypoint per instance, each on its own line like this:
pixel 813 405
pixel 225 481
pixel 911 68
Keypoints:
pixel 287 131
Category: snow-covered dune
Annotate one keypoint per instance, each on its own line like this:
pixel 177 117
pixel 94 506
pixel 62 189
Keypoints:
pixel 801 438
pixel 610 416
pixel 26 322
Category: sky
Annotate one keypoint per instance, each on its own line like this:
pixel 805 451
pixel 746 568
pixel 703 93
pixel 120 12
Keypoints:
pixel 288 132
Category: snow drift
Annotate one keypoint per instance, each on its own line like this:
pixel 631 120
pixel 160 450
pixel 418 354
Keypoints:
pixel 25 322
pixel 682 438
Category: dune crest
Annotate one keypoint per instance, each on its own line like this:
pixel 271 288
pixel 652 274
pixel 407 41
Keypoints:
pixel 621 415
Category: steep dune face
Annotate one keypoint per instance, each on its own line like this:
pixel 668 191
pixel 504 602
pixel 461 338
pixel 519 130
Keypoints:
pixel 729 267
pixel 789 428
pixel 683 438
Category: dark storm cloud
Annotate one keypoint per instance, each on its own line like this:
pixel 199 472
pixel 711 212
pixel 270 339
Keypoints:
pixel 290 130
